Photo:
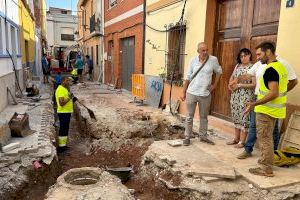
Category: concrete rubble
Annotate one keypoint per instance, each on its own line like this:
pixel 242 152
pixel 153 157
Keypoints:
pixel 202 170
pixel 120 122
pixel 18 154
pixel 198 171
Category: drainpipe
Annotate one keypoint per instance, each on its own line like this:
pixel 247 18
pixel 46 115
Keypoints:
pixel 99 14
pixel 5 12
pixel 144 36
pixel 102 40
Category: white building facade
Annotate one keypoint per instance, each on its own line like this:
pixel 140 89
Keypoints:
pixel 9 45
pixel 61 28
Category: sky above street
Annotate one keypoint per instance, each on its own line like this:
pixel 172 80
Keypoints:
pixel 67 4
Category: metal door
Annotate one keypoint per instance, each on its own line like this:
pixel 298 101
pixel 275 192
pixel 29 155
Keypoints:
pixel 127 62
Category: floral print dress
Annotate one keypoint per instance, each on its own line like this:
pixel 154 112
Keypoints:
pixel 239 98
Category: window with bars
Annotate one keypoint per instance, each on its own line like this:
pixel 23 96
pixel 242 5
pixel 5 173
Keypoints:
pixel 176 51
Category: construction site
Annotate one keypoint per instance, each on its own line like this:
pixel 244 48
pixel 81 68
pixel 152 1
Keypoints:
pixel 149 100
pixel 130 151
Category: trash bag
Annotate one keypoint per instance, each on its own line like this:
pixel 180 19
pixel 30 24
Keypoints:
pixel 286 157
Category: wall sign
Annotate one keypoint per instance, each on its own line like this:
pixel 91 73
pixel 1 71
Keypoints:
pixel 290 3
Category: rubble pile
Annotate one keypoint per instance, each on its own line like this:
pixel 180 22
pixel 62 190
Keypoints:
pixel 118 123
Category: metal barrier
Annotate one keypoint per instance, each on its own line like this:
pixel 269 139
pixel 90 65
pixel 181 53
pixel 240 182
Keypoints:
pixel 138 86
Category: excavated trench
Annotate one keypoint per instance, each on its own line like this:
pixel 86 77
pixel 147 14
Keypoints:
pixel 120 138
pixel 96 144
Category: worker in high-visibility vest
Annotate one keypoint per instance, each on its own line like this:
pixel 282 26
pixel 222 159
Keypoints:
pixel 74 73
pixel 269 106
pixel 64 100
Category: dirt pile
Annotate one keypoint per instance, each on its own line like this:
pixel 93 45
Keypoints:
pixel 118 122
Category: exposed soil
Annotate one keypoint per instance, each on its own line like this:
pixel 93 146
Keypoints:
pixel 83 151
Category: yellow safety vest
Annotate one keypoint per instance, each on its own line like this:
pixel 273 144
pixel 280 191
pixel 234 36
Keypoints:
pixel 61 91
pixel 277 107
pixel 74 72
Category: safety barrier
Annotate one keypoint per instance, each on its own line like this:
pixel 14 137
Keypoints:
pixel 138 86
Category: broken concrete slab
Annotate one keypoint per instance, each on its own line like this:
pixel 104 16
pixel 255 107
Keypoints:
pixel 13 152
pixel 209 179
pixel 175 143
pixel 11 147
pixel 167 159
pixel 227 154
pixel 190 160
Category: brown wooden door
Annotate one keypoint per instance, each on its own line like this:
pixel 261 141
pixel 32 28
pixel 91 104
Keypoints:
pixel 240 24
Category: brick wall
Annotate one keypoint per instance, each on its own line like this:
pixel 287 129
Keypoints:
pixel 129 27
pixel 121 7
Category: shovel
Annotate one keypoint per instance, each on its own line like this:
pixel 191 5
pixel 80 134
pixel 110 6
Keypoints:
pixel 91 113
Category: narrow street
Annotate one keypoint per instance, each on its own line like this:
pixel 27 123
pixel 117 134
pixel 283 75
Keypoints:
pixel 149 100
pixel 106 149
pixel 105 144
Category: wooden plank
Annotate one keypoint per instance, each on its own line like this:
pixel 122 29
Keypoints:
pixel 291 136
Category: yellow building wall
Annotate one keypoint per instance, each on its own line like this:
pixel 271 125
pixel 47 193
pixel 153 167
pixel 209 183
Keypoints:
pixel 288 43
pixel 195 15
pixel 43 16
pixel 26 33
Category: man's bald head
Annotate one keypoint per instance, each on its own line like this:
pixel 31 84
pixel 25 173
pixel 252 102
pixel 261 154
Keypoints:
pixel 202 50
pixel 202 44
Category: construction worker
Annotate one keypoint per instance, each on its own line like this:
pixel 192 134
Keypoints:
pixel 269 106
pixel 74 75
pixel 258 70
pixel 64 100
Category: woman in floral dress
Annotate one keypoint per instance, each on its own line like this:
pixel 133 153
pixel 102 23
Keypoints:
pixel 241 94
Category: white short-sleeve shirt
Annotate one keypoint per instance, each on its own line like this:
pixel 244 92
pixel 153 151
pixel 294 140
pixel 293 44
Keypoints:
pixel 200 84
pixel 258 70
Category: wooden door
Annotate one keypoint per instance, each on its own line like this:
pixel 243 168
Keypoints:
pixel 240 24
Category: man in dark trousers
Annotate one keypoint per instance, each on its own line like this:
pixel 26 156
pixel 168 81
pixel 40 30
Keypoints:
pixel 269 106
pixel 45 68
pixel 90 65
pixel 64 100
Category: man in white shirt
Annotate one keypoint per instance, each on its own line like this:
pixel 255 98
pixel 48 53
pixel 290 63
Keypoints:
pixel 257 70
pixel 197 88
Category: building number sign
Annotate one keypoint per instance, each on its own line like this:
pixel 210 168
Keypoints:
pixel 290 3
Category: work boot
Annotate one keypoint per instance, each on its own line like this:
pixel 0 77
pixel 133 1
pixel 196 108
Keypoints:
pixel 186 142
pixel 261 172
pixel 206 140
pixel 244 155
